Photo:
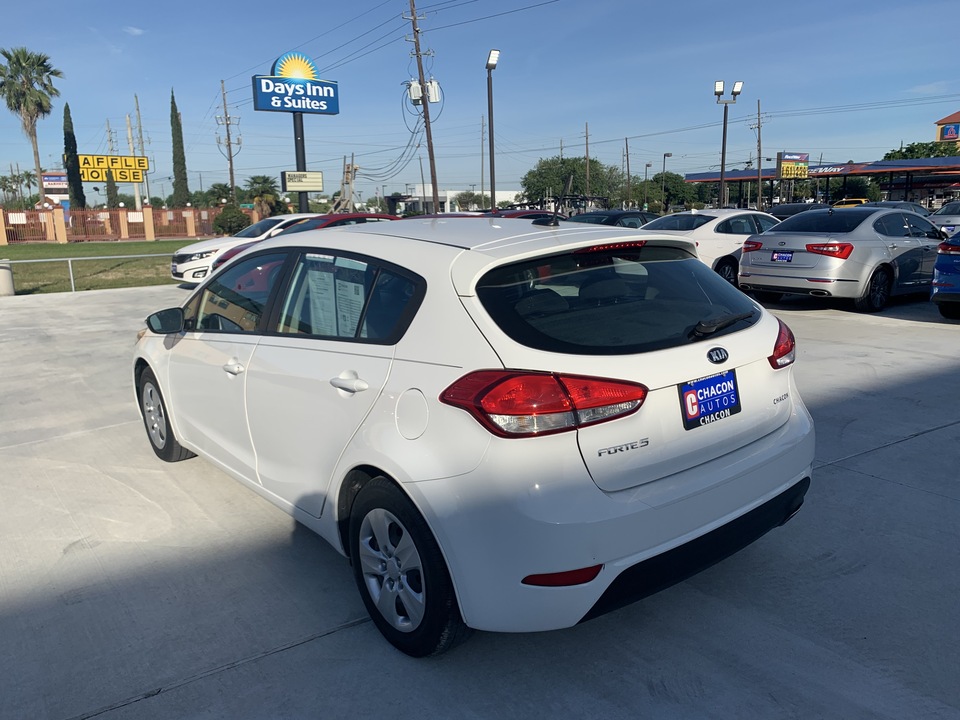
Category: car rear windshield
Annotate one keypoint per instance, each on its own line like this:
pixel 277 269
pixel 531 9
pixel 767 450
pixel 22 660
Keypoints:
pixel 620 300
pixel 680 221
pixel 949 209
pixel 825 221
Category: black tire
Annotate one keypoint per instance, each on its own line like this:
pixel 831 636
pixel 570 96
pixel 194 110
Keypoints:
pixel 728 268
pixel 949 310
pixel 877 292
pixel 154 413
pixel 766 296
pixel 413 604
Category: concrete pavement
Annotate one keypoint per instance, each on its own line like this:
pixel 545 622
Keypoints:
pixel 130 588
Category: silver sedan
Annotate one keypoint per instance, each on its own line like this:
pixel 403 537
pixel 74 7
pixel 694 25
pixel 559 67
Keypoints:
pixel 947 218
pixel 863 253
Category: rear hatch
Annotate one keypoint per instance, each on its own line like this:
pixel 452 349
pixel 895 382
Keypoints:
pixel 632 315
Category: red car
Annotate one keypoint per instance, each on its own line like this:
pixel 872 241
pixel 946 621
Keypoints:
pixel 311 223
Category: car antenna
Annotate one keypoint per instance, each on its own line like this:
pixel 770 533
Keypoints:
pixel 552 221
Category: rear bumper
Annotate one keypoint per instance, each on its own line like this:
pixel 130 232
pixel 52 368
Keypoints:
pixel 660 572
pixel 817 287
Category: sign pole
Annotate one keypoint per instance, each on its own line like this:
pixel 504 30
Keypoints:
pixel 303 200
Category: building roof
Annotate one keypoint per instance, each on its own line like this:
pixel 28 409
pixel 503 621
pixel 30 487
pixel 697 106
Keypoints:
pixel 950 119
pixel 949 165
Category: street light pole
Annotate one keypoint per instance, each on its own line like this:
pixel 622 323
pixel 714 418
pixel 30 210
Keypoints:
pixel 645 170
pixel 663 181
pixel 718 91
pixel 492 60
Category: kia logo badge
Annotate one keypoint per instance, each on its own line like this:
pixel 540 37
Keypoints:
pixel 717 355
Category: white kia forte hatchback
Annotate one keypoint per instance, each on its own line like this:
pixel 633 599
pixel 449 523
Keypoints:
pixel 505 425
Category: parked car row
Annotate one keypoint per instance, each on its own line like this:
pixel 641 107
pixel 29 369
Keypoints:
pixel 879 250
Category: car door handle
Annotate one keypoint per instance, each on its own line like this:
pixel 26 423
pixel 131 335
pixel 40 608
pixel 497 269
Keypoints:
pixel 233 367
pixel 349 382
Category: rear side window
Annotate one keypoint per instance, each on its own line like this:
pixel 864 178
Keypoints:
pixel 349 298
pixel 630 299
pixel 825 221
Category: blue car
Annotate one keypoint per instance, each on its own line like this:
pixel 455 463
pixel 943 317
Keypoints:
pixel 945 291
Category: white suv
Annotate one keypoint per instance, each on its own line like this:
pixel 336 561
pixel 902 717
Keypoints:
pixel 193 263
pixel 505 425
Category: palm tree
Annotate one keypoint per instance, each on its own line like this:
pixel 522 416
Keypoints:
pixel 218 192
pixel 26 83
pixel 264 191
pixel 29 179
pixel 6 186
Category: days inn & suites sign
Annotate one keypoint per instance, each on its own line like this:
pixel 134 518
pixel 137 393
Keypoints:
pixel 294 86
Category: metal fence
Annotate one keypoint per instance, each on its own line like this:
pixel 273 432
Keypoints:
pixel 39 226
pixel 8 281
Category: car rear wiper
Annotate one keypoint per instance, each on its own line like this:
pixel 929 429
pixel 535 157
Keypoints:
pixel 708 327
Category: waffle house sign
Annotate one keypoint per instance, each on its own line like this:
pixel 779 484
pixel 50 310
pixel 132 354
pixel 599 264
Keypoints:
pixel 124 168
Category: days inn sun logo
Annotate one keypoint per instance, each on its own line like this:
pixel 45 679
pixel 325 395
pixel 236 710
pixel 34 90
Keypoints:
pixel 295 66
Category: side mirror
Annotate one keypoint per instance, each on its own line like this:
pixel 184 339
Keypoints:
pixel 166 322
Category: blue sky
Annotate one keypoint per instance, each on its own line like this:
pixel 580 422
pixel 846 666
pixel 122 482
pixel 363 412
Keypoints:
pixel 845 81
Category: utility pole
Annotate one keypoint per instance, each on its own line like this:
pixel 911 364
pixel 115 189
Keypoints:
pixel 146 175
pixel 227 121
pixel 425 104
pixel 586 131
pixel 626 146
pixel 137 200
pixel 759 163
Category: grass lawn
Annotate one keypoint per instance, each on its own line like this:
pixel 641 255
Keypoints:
pixel 88 274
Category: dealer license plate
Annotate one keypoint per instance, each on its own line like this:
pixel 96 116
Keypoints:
pixel 782 256
pixel 709 399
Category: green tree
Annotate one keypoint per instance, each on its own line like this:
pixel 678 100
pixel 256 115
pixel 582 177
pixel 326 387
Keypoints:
pixel 559 176
pixel 181 191
pixel 113 198
pixel 218 192
pixel 917 150
pixel 675 191
pixel 470 200
pixel 26 83
pixel 71 163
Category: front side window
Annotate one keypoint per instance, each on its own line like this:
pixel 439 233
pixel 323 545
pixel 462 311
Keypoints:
pixel 632 298
pixel 349 298
pixel 235 300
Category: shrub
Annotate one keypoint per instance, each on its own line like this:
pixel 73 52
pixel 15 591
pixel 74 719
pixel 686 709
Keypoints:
pixel 230 221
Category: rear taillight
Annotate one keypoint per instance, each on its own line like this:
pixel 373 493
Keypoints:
pixel 784 350
pixel 948 248
pixel 839 250
pixel 751 245
pixel 513 403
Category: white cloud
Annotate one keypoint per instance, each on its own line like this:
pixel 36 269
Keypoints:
pixel 135 31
